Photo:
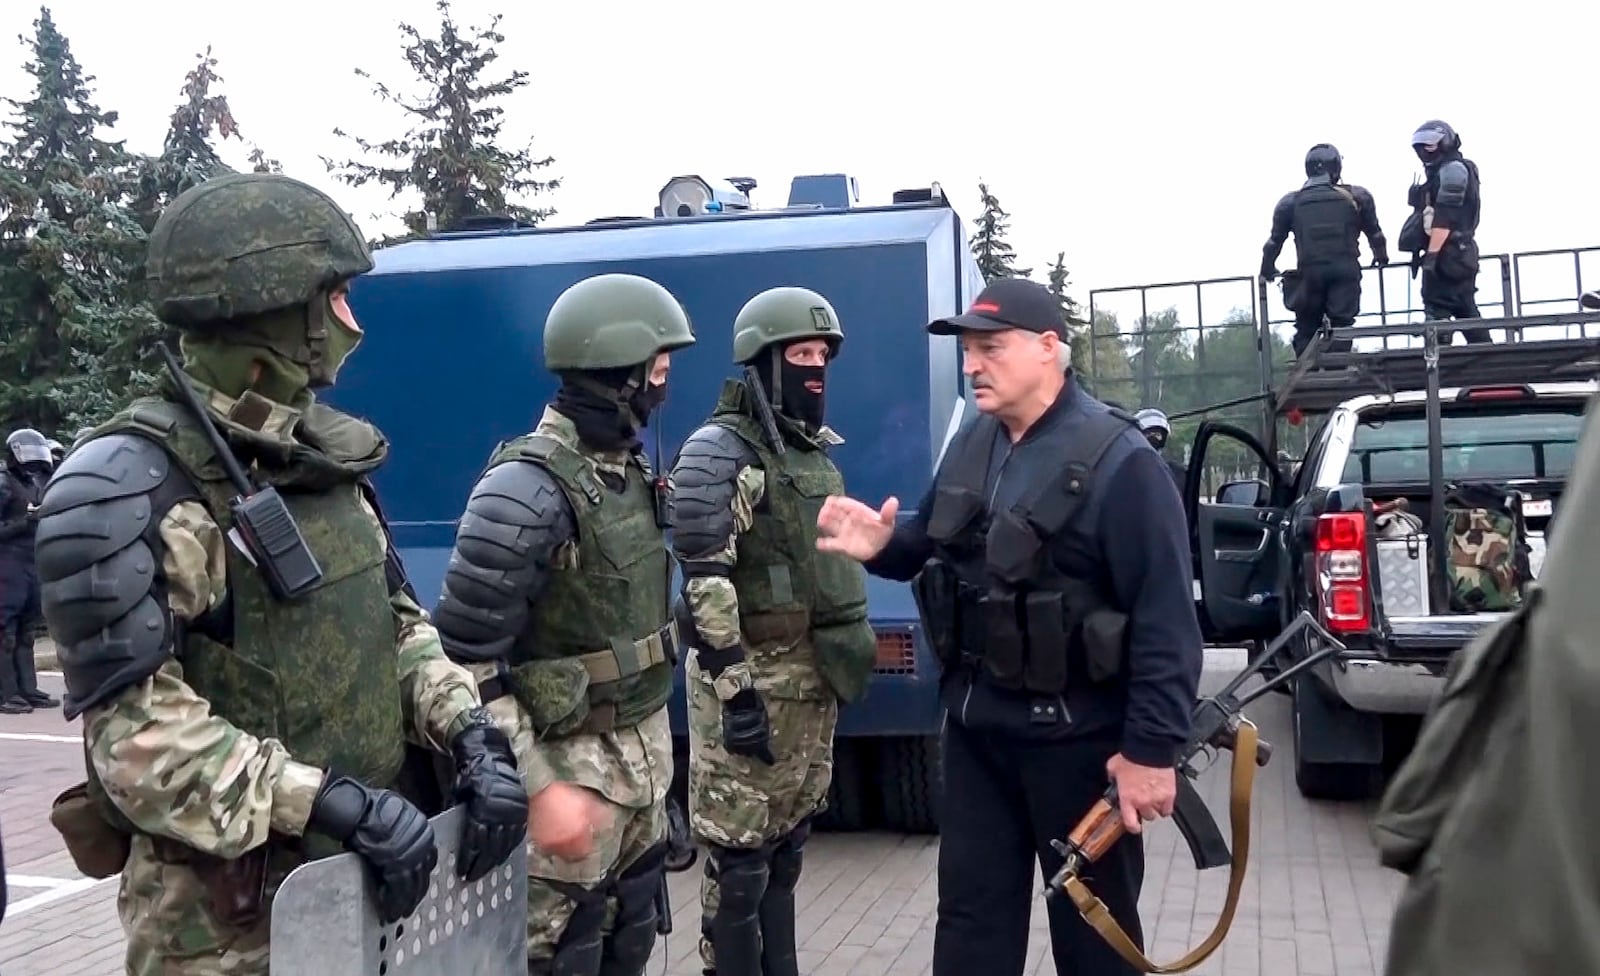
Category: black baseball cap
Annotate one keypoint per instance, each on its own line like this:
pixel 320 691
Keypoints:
pixel 1009 303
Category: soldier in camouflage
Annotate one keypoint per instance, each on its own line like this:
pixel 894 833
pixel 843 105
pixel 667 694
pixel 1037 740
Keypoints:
pixel 779 629
pixel 233 730
pixel 557 597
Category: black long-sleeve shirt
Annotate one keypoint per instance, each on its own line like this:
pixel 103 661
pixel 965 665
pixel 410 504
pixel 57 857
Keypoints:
pixel 1141 540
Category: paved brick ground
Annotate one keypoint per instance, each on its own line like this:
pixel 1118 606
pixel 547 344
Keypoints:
pixel 1316 903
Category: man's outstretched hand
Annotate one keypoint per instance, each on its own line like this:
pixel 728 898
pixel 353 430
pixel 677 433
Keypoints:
pixel 849 528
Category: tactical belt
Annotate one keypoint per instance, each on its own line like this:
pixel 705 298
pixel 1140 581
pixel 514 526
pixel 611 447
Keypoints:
pixel 1094 910
pixel 621 660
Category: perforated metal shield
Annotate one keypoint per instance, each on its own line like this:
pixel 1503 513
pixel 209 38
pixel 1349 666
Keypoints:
pixel 324 919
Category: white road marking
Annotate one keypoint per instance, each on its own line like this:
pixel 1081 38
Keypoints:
pixel 66 890
pixel 40 737
pixel 37 881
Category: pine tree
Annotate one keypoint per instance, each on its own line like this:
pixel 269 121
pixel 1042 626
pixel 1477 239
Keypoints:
pixel 451 155
pixel 71 329
pixel 1077 331
pixel 188 156
pixel 995 257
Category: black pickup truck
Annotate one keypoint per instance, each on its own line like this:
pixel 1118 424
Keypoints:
pixel 1390 424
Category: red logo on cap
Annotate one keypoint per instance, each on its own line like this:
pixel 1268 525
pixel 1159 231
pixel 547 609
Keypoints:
pixel 984 307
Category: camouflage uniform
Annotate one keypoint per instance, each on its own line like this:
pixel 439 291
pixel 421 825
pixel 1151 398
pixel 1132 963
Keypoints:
pixel 556 596
pixel 215 704
pixel 780 632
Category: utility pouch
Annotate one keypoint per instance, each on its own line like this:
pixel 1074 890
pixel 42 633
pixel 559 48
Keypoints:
pixel 98 849
pixel 1105 643
pixel 934 590
pixel 237 887
pixel 1003 646
pixel 1046 670
pixel 1011 548
pixel 955 508
pixel 555 694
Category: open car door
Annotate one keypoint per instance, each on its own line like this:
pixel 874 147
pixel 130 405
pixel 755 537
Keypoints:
pixel 1237 540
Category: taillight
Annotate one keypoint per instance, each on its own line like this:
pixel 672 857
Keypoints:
pixel 1342 580
pixel 1496 393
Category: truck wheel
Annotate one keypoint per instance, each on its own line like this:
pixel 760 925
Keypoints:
pixel 847 808
pixel 1327 781
pixel 911 784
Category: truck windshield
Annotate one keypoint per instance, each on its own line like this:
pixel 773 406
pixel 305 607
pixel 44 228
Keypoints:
pixel 1525 440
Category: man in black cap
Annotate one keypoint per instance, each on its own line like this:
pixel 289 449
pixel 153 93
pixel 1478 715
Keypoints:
pixel 1052 573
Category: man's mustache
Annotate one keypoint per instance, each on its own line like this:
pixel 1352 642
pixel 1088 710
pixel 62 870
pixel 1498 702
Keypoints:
pixel 979 383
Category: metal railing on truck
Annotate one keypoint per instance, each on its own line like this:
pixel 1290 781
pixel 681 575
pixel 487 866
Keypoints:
pixel 1220 347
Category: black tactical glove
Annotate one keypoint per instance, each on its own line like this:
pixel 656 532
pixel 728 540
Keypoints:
pixel 1430 260
pixel 1381 259
pixel 390 834
pixel 1269 271
pixel 745 728
pixel 488 784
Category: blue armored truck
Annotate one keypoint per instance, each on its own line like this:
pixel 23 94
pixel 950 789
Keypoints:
pixel 452 363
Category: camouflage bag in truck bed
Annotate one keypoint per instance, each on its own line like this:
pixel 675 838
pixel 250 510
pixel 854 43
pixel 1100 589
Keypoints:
pixel 1486 548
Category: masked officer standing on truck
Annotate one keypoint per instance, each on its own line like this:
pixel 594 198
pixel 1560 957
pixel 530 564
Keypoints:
pixel 779 629
pixel 1441 232
pixel 557 596
pixel 1327 218
pixel 22 479
pixel 1060 603
pixel 247 708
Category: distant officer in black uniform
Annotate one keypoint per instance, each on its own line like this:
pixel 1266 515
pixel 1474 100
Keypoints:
pixel 1327 218
pixel 1441 232
pixel 1156 428
pixel 1049 508
pixel 23 473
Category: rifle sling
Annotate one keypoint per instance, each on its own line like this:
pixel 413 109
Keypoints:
pixel 1094 910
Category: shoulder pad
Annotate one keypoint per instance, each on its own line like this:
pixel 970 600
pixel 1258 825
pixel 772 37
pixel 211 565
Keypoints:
pixel 515 519
pixel 715 442
pixel 114 466
pixel 1454 181
pixel 704 486
pixel 343 437
pixel 99 561
pixel 1122 415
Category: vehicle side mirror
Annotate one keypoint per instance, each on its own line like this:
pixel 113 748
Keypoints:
pixel 1251 493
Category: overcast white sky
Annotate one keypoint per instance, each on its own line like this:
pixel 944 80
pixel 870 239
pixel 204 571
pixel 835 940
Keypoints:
pixel 1147 140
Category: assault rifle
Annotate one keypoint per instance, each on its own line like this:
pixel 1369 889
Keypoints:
pixel 1218 723
pixel 769 424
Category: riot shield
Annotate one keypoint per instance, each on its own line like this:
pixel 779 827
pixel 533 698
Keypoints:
pixel 324 919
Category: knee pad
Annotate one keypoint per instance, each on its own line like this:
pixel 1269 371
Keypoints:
pixel 578 952
pixel 633 935
pixel 742 876
pixel 788 854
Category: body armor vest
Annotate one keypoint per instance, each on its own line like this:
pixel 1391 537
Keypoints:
pixel 1326 224
pixel 791 595
pixel 319 674
pixel 1002 591
pixel 600 644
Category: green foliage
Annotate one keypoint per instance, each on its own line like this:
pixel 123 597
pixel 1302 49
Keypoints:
pixel 450 156
pixel 995 256
pixel 188 156
pixel 71 251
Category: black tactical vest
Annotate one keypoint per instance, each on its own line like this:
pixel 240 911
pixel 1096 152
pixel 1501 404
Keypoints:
pixel 1326 224
pixel 1016 592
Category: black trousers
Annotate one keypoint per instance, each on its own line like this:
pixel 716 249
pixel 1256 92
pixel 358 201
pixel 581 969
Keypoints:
pixel 1326 290
pixel 19 619
pixel 1452 298
pixel 1004 800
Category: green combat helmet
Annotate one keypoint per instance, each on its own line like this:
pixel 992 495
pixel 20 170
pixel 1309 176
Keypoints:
pixel 612 321
pixel 780 315
pixel 248 243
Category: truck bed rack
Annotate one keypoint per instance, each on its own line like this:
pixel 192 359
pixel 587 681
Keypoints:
pixel 1321 379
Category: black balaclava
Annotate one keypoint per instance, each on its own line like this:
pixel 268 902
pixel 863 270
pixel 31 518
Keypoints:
pixel 787 390
pixel 608 406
